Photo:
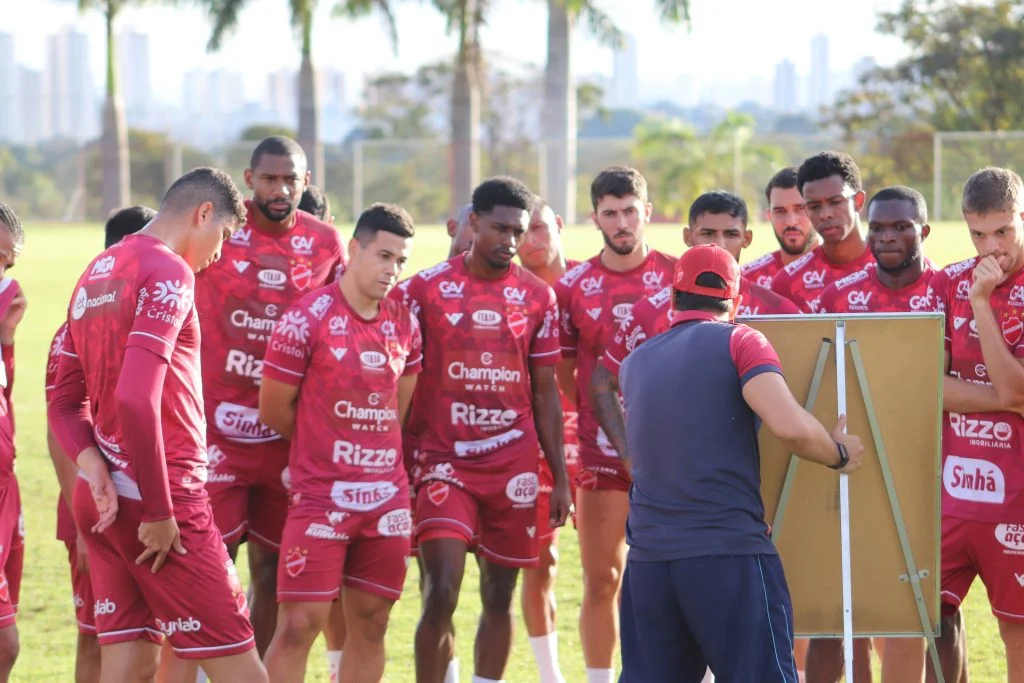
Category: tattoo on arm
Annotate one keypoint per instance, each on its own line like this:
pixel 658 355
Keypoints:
pixel 604 396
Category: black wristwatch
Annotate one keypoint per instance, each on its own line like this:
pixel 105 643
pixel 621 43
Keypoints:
pixel 844 457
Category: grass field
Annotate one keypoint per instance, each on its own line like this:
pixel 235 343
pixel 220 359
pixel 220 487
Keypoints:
pixel 53 259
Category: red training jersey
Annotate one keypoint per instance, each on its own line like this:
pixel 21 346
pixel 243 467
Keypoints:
pixel 66 529
pixel 762 270
pixel 981 473
pixel 139 293
pixel 863 292
pixel 240 298
pixel 9 289
pixel 803 280
pixel 346 451
pixel 594 301
pixel 480 339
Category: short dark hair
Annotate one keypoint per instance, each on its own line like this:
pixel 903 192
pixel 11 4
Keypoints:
pixel 206 185
pixel 827 164
pixel 718 201
pixel 13 223
pixel 905 194
pixel 276 146
pixel 784 180
pixel 381 217
pixel 686 301
pixel 124 222
pixel 501 191
pixel 992 189
pixel 314 201
pixel 618 181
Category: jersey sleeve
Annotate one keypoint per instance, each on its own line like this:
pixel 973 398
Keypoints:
pixel 414 361
pixel 545 345
pixel 568 334
pixel 291 346
pixel 826 302
pixel 631 333
pixel 752 353
pixel 163 302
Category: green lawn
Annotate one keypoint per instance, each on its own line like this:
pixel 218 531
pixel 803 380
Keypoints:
pixel 54 257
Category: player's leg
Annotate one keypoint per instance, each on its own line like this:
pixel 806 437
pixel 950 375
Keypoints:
pixel 12 554
pixel 334 635
pixel 825 662
pixel 298 625
pixel 903 660
pixel 128 662
pixel 959 570
pixel 87 651
pixel 538 604
pixel 996 549
pixel 443 558
pixel 494 632
pixel 268 509
pixel 367 616
pixel 601 523
pixel 952 649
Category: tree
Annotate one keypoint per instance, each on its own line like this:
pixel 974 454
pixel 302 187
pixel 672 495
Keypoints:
pixel 259 131
pixel 559 123
pixel 225 17
pixel 116 188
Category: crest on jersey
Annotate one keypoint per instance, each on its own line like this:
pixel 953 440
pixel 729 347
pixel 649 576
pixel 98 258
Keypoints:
pixel 1013 329
pixel 302 275
pixel 437 492
pixel 517 323
pixel 295 562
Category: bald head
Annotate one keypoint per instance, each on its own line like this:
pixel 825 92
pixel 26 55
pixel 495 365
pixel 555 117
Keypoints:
pixel 460 232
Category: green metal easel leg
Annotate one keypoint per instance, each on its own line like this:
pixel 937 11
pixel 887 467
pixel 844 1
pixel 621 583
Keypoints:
pixel 812 397
pixel 901 529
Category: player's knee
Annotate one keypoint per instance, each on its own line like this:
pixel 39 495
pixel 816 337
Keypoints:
pixel 602 585
pixel 496 591
pixel 546 569
pixel 440 594
pixel 297 628
pixel 10 646
pixel 370 624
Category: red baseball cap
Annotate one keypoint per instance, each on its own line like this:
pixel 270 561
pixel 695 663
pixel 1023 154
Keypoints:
pixel 707 258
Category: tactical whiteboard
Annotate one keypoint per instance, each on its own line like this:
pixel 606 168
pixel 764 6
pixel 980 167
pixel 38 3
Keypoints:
pixel 902 360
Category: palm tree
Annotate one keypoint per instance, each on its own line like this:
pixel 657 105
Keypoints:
pixel 225 15
pixel 559 115
pixel 465 16
pixel 116 191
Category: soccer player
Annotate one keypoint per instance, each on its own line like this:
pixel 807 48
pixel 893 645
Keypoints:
pixel 787 213
pixel 704 585
pixel 127 407
pixel 314 201
pixel 983 396
pixel 338 378
pixel 831 187
pixel 490 343
pixel 87 655
pixel 542 255
pixel 593 299
pixel 12 530
pixel 460 232
pixel 900 282
pixel 278 255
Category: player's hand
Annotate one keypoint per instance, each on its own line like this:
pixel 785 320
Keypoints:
pixel 561 504
pixel 82 554
pixel 159 538
pixel 854 447
pixel 104 494
pixel 987 276
pixel 15 312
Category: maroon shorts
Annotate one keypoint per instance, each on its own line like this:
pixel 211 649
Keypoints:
pixel 995 552
pixel 81 584
pixel 323 548
pixel 196 600
pixel 247 487
pixel 599 471
pixel 12 550
pixel 493 499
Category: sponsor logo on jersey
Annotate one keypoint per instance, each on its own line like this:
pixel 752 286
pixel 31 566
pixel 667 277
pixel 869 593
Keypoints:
pixel 517 323
pixel 395 523
pixel 242 424
pixel 487 378
pixel 1011 536
pixel 514 295
pixel 373 360
pixel 430 273
pixel 1017 295
pixel 302 244
pixel 453 318
pixel 984 433
pixel 241 266
pixel 621 312
pixel 257 329
pixel 859 300
pixel 375 418
pixel 338 353
pixel 653 279
pixel 592 286
pixel 295 561
pixel 179 625
pixel 379 460
pixel 102 267
pixel 483 418
pixel 437 492
pixel 958 322
pixel 574 274
pixel 241 236
pixel 451 290
pixel 795 266
pixel 244 365
pixel 318 309
pixel 302 275
pixel 362 496
pixel 272 278
pixel 294 327
pixel 83 303
pixel 594 313
pixel 922 302
pixel 974 480
pixel 813 279
pixel 325 532
pixel 103 607
pixel 486 319
pixel 1013 329
pixel 338 325
pixel 963 290
pixel 522 489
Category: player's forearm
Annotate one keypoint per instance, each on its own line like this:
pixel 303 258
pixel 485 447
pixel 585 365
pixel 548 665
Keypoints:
pixel 1005 371
pixel 604 398
pixel 565 371
pixel 68 414
pixel 280 417
pixel 66 470
pixel 547 418
pixel 137 401
pixel 7 351
pixel 959 396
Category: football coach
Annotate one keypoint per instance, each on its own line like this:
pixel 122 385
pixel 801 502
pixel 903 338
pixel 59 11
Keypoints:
pixel 704 586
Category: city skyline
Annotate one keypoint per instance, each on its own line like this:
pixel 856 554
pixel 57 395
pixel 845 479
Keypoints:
pixel 720 40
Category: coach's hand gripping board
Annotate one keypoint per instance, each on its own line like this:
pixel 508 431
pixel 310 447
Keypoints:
pixel 901 357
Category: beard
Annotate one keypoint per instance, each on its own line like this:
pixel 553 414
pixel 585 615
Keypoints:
pixel 623 250
pixel 792 251
pixel 272 215
pixel 910 260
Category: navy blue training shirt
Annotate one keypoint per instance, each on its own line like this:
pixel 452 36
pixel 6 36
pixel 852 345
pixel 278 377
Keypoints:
pixel 693 441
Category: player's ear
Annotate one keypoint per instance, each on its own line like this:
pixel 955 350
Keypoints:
pixel 474 221
pixel 766 215
pixel 559 222
pixel 353 247
pixel 452 225
pixel 307 178
pixel 925 231
pixel 248 178
pixel 748 236
pixel 648 212
pixel 859 199
pixel 687 236
pixel 204 213
pixel 593 219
